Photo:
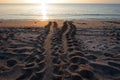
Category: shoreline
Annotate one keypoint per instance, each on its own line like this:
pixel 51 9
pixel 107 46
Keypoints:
pixel 78 23
pixel 64 19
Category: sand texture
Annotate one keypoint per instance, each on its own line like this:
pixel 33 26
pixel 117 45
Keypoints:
pixel 64 50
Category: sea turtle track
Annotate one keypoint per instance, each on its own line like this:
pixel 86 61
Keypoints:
pixel 50 53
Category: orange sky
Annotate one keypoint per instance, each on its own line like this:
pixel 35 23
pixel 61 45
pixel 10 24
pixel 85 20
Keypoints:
pixel 60 1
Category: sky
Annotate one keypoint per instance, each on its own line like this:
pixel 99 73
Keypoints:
pixel 62 1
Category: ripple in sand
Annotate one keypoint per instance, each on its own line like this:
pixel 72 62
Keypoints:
pixel 87 74
pixel 73 67
pixel 105 69
pixel 56 60
pixel 114 64
pixel 57 71
pixel 11 63
pixel 76 77
pixel 78 60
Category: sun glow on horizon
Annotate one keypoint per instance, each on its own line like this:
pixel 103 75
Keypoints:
pixel 43 9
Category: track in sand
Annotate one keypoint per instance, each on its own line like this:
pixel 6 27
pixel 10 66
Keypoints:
pixel 54 53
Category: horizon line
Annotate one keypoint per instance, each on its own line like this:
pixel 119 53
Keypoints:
pixel 60 3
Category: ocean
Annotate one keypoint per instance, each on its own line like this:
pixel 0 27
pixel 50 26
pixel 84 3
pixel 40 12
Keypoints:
pixel 60 11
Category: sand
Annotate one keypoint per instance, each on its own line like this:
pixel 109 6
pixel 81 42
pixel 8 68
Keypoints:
pixel 60 50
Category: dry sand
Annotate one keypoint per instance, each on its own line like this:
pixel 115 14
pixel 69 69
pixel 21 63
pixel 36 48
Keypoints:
pixel 60 50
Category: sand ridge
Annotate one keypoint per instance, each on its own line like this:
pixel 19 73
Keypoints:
pixel 55 52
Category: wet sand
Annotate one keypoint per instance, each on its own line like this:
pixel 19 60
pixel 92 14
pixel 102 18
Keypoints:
pixel 60 50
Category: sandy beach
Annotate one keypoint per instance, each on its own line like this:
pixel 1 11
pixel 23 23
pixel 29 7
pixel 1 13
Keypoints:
pixel 59 50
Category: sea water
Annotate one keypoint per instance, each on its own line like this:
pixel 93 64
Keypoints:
pixel 60 11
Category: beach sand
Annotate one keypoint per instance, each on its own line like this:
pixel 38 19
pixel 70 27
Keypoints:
pixel 59 50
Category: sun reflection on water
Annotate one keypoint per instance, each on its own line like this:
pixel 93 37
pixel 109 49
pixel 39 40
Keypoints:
pixel 44 11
